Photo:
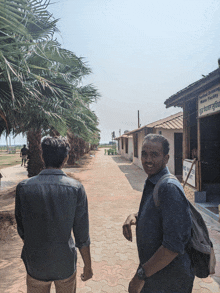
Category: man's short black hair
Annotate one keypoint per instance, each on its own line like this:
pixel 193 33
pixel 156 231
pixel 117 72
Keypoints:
pixel 55 150
pixel 158 138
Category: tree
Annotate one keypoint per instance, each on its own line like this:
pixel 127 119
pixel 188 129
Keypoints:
pixel 23 24
pixel 40 82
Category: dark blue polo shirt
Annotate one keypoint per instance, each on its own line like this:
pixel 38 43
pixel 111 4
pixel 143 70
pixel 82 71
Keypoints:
pixel 168 225
pixel 48 207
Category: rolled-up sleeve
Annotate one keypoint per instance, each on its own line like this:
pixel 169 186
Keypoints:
pixel 18 215
pixel 81 220
pixel 175 218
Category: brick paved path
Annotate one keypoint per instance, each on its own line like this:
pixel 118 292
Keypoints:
pixel 111 199
pixel 114 187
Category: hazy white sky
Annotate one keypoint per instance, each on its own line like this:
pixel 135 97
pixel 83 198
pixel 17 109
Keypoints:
pixel 141 52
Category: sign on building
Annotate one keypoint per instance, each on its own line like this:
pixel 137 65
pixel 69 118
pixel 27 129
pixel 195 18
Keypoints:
pixel 192 177
pixel 209 102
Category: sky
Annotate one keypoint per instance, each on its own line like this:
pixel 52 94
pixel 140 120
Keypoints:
pixel 141 52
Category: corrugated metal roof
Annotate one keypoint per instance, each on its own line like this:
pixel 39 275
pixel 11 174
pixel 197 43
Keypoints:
pixel 172 122
pixel 124 135
pixel 176 123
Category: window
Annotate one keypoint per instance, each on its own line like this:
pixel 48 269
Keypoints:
pixel 122 143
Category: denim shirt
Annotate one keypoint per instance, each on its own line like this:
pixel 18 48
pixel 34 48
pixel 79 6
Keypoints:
pixel 168 225
pixel 47 208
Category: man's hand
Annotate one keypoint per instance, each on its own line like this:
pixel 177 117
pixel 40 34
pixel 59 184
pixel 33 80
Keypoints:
pixel 136 285
pixel 87 274
pixel 131 220
pixel 87 271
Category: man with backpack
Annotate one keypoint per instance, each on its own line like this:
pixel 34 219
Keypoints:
pixel 23 155
pixel 162 231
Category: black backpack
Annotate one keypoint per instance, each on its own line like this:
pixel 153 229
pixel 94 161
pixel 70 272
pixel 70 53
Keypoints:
pixel 200 247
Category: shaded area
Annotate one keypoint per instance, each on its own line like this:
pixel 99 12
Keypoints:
pixel 135 175
pixel 82 162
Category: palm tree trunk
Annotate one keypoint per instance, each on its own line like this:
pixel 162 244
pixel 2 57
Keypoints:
pixel 82 147
pixel 72 154
pixel 77 148
pixel 35 161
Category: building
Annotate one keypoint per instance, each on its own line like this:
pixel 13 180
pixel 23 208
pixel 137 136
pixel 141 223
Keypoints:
pixel 130 143
pixel 201 135
pixel 125 146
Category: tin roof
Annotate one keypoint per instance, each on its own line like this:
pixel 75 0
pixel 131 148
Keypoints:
pixel 172 122
pixel 124 135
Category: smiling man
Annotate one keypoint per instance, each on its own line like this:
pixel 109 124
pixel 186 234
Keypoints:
pixel 162 232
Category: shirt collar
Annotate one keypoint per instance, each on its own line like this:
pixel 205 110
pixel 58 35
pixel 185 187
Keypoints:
pixel 52 172
pixel 155 178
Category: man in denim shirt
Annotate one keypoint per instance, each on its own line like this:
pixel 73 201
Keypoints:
pixel 162 232
pixel 48 207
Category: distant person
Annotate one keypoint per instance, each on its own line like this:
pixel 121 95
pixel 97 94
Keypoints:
pixel 48 208
pixel 163 231
pixel 24 155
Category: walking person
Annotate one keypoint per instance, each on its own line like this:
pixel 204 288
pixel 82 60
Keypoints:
pixel 162 232
pixel 48 207
pixel 23 155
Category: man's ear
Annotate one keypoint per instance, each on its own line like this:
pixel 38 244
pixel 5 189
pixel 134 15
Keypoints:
pixel 167 158
pixel 65 160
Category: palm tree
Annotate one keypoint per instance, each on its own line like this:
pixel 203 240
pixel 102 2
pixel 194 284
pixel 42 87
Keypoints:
pixel 40 81
pixel 68 108
pixel 23 24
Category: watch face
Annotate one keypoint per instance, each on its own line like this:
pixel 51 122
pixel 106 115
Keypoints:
pixel 141 274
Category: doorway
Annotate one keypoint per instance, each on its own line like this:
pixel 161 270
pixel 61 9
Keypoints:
pixel 210 155
pixel 178 153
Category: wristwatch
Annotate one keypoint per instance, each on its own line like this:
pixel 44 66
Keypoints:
pixel 141 273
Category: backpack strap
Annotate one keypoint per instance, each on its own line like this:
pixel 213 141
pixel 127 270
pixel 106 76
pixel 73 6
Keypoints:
pixel 199 247
pixel 200 236
pixel 157 186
